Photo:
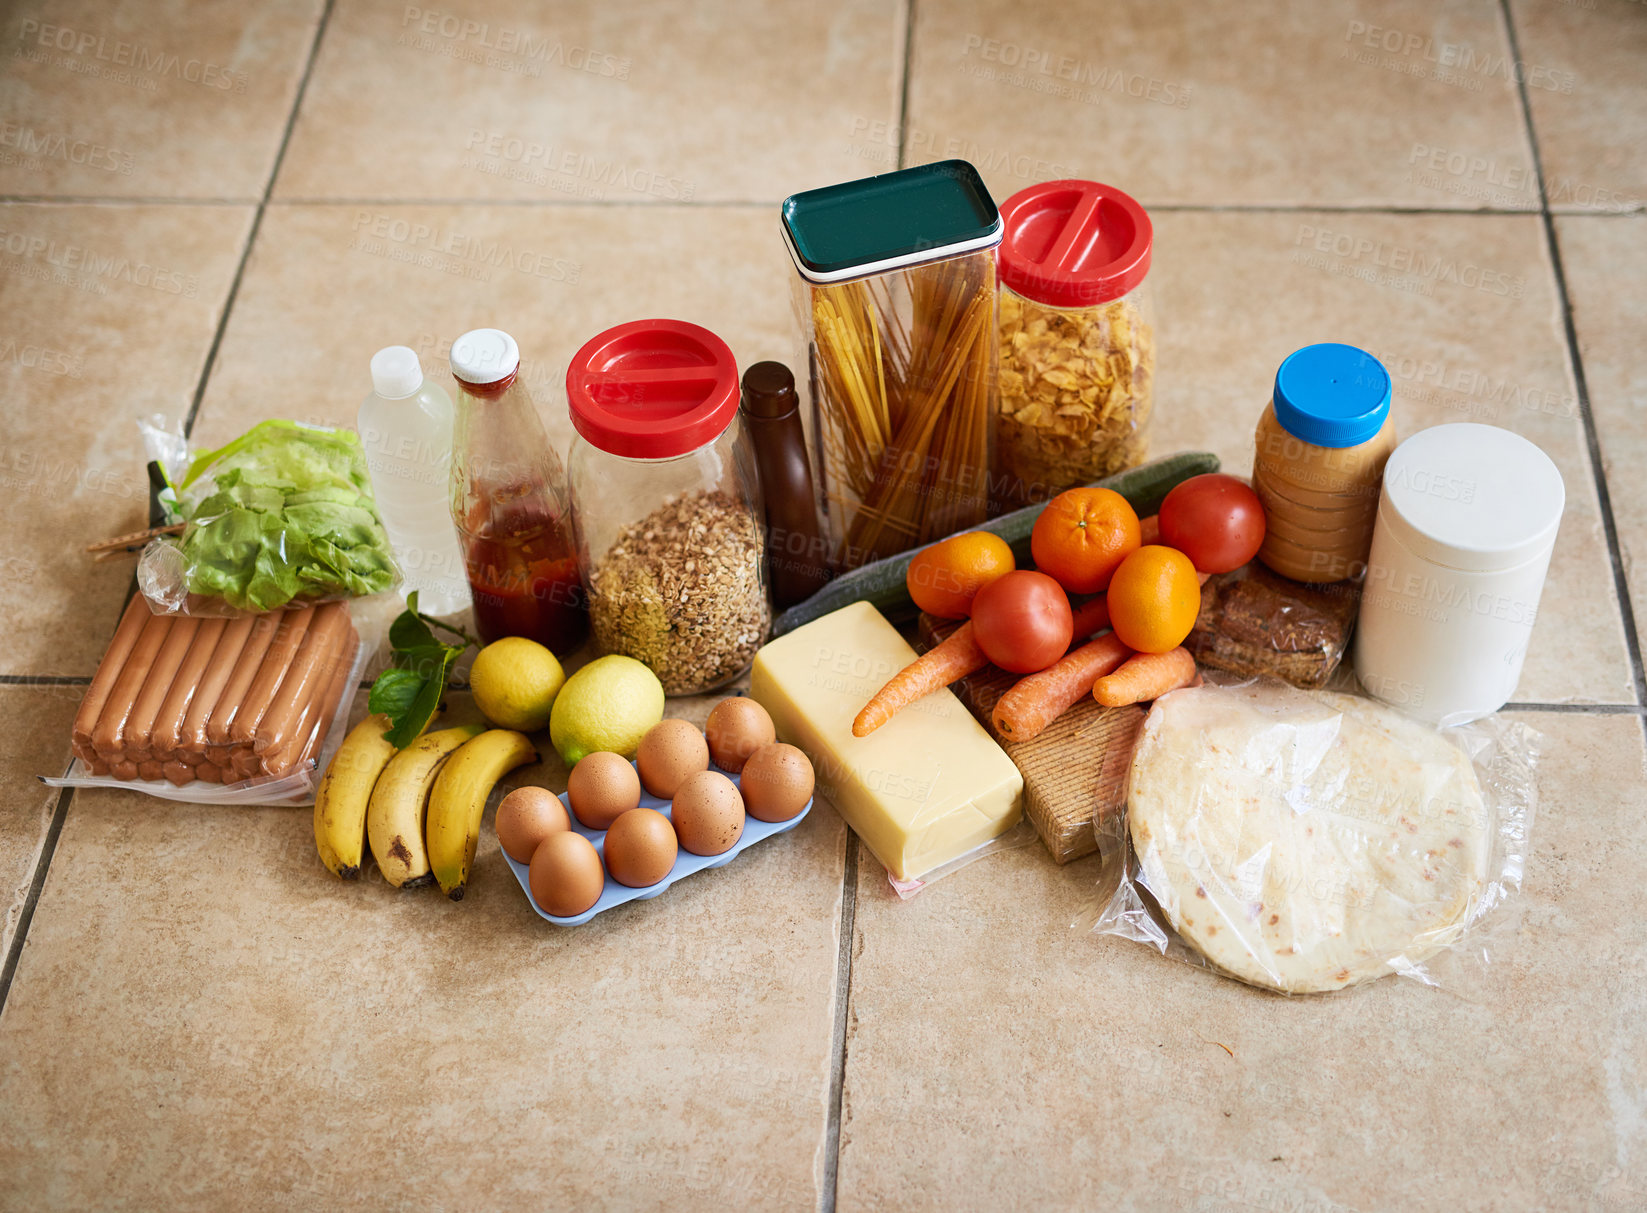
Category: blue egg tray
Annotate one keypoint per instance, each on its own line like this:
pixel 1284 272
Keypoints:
pixel 686 863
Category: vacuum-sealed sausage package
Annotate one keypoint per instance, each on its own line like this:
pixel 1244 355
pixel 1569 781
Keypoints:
pixel 1305 841
pixel 214 710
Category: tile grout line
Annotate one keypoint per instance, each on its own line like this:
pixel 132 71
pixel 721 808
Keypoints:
pixel 257 220
pixel 828 1190
pixel 37 884
pixel 843 986
pixel 1186 208
pixel 48 845
pixel 1592 437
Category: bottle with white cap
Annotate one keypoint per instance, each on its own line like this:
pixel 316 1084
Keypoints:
pixel 1465 529
pixel 406 427
pixel 510 504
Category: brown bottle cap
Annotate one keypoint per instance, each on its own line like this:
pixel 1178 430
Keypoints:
pixel 769 390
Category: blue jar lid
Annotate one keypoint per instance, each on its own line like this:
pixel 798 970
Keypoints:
pixel 1332 395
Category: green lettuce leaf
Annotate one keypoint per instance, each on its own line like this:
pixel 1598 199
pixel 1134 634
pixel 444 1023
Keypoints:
pixel 284 511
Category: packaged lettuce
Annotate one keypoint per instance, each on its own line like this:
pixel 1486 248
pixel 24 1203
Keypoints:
pixel 283 512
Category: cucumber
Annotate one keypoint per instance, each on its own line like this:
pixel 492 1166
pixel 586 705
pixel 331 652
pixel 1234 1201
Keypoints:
pixel 882 583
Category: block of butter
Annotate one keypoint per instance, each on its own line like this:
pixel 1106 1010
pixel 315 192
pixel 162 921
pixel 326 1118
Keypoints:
pixel 926 787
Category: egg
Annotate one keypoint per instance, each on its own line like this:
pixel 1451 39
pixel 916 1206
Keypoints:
pixel 602 787
pixel 525 818
pixel 707 813
pixel 640 848
pixel 736 728
pixel 565 875
pixel 670 751
pixel 777 782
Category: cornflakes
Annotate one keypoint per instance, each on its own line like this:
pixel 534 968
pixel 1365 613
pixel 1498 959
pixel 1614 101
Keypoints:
pixel 1075 393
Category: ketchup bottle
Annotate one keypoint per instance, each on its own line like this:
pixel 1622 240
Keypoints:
pixel 509 502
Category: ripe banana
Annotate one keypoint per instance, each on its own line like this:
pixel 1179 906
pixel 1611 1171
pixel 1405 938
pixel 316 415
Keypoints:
pixel 459 798
pixel 345 790
pixel 394 818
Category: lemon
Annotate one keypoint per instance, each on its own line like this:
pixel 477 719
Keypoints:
pixel 607 705
pixel 515 682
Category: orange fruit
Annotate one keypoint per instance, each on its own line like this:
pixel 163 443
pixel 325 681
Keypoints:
pixel 943 578
pixel 1154 598
pixel 1082 537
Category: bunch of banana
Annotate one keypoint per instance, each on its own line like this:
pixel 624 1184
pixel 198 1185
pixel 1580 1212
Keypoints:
pixel 419 808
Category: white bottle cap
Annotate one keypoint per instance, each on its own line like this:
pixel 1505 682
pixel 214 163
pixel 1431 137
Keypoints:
pixel 1474 497
pixel 484 356
pixel 396 372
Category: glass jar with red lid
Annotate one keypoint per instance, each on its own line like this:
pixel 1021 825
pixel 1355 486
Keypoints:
pixel 666 503
pixel 1077 338
pixel 509 502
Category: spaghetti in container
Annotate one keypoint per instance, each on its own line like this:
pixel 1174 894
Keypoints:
pixel 897 299
pixel 1077 338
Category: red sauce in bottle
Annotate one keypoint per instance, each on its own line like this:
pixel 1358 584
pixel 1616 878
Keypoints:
pixel 511 510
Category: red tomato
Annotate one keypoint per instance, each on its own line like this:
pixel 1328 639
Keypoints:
pixel 1215 520
pixel 1022 621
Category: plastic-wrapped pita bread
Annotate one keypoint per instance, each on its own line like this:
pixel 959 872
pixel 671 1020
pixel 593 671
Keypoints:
pixel 1306 841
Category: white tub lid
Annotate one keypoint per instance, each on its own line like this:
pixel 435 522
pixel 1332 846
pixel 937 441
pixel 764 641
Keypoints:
pixel 1472 496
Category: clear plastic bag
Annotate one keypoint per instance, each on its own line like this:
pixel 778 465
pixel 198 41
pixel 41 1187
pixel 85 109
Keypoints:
pixel 1305 841
pixel 282 514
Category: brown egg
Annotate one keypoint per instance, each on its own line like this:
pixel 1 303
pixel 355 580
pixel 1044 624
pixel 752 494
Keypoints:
pixel 737 727
pixel 565 876
pixel 670 751
pixel 640 848
pixel 707 813
pixel 602 787
pixel 525 818
pixel 777 782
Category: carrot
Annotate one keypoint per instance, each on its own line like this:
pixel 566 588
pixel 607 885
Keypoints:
pixel 1037 700
pixel 1091 616
pixel 1145 676
pixel 956 657
pixel 1149 530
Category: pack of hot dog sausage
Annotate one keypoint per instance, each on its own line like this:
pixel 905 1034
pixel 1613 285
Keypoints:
pixel 219 711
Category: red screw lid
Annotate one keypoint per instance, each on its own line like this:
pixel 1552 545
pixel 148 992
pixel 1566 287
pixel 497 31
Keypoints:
pixel 652 389
pixel 1074 243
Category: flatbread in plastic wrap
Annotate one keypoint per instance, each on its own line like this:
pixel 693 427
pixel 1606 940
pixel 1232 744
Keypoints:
pixel 1305 842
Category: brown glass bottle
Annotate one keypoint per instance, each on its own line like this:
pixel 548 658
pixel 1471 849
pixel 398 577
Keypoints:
pixel 796 553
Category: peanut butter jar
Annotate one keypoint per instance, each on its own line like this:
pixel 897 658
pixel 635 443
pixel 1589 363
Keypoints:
pixel 1321 446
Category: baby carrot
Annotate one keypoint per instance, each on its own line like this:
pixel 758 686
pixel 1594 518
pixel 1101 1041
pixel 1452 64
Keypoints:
pixel 954 658
pixel 1145 676
pixel 1037 700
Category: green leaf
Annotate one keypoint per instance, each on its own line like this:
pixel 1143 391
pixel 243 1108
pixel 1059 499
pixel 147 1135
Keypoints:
pixel 408 631
pixel 394 692
pixel 410 691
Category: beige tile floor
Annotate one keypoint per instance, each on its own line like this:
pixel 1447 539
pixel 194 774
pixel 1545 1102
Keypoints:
pixel 206 211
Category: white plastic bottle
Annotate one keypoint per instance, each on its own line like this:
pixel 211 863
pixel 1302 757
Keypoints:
pixel 406 427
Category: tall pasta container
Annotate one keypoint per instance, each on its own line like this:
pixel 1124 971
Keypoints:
pixel 896 297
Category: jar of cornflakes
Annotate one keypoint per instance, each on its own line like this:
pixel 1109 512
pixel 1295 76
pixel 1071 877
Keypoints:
pixel 1077 338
